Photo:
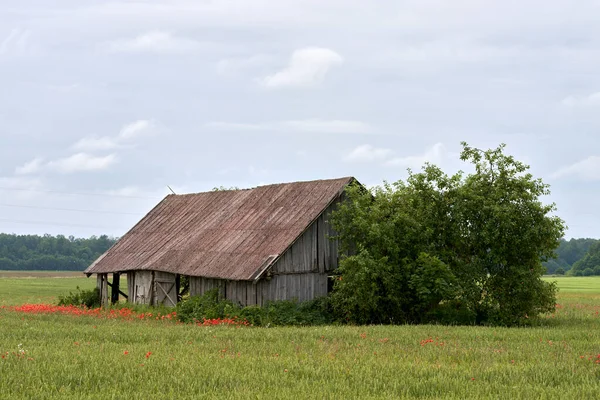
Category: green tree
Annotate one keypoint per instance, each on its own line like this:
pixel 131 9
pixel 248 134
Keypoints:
pixel 469 243
pixel 590 260
pixel 568 253
pixel 560 271
pixel 32 252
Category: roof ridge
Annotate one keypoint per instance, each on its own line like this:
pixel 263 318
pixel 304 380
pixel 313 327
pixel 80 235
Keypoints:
pixel 216 190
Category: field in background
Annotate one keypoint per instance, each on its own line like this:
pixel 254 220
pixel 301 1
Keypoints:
pixel 41 274
pixel 577 284
pixel 20 287
pixel 65 356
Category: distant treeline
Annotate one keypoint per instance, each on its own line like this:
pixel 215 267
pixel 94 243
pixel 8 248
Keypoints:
pixel 59 253
pixel 570 254
pixel 50 253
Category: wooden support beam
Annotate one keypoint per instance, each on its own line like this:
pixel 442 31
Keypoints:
pixel 102 283
pixel 114 293
pixel 120 292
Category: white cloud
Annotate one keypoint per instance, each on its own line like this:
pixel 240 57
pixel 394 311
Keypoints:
pixel 30 167
pixel 582 101
pixel 82 162
pixel 16 42
pixel 368 153
pixel 307 67
pixel 136 129
pixel 304 125
pixel 587 169
pixel 434 155
pixel 96 144
pixel 384 156
pixel 154 42
pixel 126 135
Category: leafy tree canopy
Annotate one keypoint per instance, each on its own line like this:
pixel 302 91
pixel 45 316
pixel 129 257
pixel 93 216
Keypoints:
pixel 590 263
pixel 465 248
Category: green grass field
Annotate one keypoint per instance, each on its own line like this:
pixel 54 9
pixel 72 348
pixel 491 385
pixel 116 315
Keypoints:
pixel 79 357
pixel 39 286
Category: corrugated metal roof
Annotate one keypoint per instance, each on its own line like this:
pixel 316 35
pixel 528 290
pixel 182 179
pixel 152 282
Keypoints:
pixel 221 234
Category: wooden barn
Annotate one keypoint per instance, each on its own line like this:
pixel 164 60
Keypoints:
pixel 256 245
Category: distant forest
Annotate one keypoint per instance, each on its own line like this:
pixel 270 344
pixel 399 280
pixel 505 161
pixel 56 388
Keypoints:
pixel 577 257
pixel 570 257
pixel 50 253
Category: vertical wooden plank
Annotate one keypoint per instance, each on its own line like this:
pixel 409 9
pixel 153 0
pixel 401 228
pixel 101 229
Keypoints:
pixel 260 295
pixel 152 300
pixel 202 286
pixel 230 291
pixel 131 286
pixel 250 294
pixel 244 293
pixel 326 246
pixel 103 286
pixel 282 287
pixel 308 285
pixel 192 285
pixel 314 258
pixel 259 292
pixel 321 243
pixel 143 287
pixel 334 248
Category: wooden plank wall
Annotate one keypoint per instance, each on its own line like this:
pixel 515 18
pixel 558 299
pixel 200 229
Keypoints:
pixel 301 287
pixel 313 251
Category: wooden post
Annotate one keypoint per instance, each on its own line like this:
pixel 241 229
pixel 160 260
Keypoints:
pixel 99 286
pixel 152 291
pixel 102 284
pixel 114 294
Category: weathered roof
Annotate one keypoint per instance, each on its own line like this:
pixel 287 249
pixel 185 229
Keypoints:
pixel 232 234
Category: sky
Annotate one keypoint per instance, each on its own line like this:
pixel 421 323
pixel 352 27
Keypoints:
pixel 103 104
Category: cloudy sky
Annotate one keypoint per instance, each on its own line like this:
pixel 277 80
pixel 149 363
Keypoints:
pixel 105 103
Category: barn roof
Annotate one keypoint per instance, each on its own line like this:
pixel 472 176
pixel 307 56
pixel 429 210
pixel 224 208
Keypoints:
pixel 232 234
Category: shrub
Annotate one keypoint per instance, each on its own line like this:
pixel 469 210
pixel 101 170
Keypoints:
pixel 453 312
pixel 290 312
pixel 276 313
pixel 88 298
pixel 588 272
pixel 207 306
pixel 559 271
